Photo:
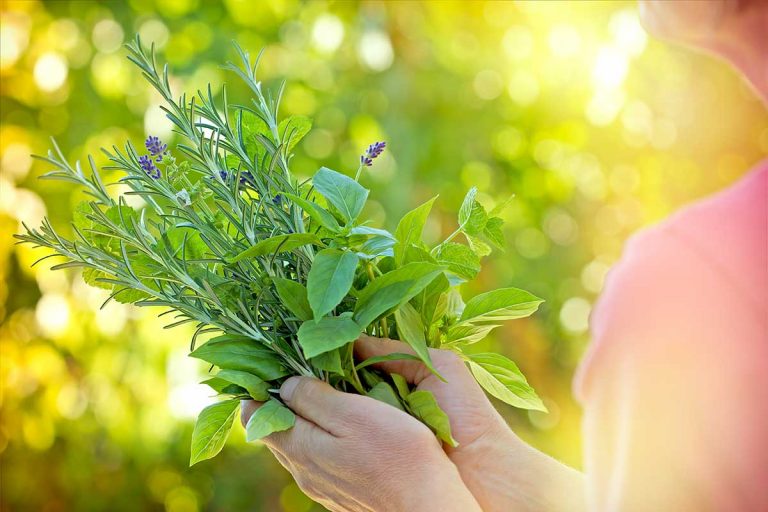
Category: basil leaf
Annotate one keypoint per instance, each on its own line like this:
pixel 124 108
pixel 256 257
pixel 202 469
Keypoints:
pixel 329 361
pixel 347 195
pixel 269 418
pixel 410 227
pixel 278 244
pixel 329 280
pixel 393 288
pixel 383 392
pixel 422 405
pixel 502 378
pixel 317 213
pixel 468 333
pixel 212 429
pixel 223 387
pixel 395 356
pixel 294 296
pixel 255 387
pixel 330 332
pixel 244 355
pixel 498 305
pixel 411 330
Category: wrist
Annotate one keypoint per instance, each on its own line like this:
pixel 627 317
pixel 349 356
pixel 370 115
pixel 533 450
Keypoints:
pixel 436 485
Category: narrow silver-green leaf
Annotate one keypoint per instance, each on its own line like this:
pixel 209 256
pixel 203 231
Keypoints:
pixel 212 429
pixel 328 333
pixel 329 280
pixel 501 304
pixel 503 379
pixel 317 213
pixel 278 244
pixel 294 296
pixel 422 405
pixel 347 195
pixel 269 418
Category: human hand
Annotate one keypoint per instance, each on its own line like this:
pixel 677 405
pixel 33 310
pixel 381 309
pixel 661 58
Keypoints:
pixel 502 471
pixel 353 453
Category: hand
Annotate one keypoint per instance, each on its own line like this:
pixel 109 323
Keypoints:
pixel 502 472
pixel 353 453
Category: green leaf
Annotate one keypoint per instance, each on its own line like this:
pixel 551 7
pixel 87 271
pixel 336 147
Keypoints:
pixel 502 378
pixel 252 127
pixel 401 385
pixel 422 405
pixel 329 280
pixel 233 353
pixel 472 215
pixel 317 213
pixel 494 233
pixel 329 333
pixel 460 259
pixel 329 361
pixel 468 333
pixel 223 387
pixel 256 387
pixel 481 248
pixel 278 244
pixel 212 429
pixel 293 129
pixel 194 246
pixel 91 277
pixel 411 330
pixel 269 418
pixel 410 227
pixel 294 296
pixel 383 392
pixel 501 304
pixel 393 288
pixel 347 195
pixel 394 356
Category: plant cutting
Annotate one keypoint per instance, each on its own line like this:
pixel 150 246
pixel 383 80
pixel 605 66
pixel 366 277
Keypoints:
pixel 277 275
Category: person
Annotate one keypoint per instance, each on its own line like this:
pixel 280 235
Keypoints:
pixel 673 384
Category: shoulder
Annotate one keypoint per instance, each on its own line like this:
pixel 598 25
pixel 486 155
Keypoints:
pixel 689 280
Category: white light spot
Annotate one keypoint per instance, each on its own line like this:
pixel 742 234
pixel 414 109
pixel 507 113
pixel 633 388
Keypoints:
pixel 50 71
pixel 376 51
pixel 52 314
pixel 610 68
pixel 186 397
pixel 157 123
pixel 488 84
pixel 518 43
pixel 564 41
pixel 523 87
pixel 604 106
pixel 574 315
pixel 16 160
pixel 627 32
pixel 327 33
pixel 107 36
pixel 154 31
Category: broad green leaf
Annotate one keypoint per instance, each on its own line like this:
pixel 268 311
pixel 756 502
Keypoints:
pixel 465 211
pixel 347 195
pixel 212 429
pixel 317 213
pixel 472 215
pixel 393 288
pixel 395 356
pixel 481 248
pixel 460 259
pixel 329 361
pixel 278 244
pixel 493 232
pixel 369 231
pixel 242 354
pixel 224 387
pixel 432 302
pixel 91 277
pixel 329 333
pixel 422 405
pixel 256 387
pixel 501 304
pixel 411 330
pixel 500 207
pixel 468 333
pixel 401 385
pixel 294 297
pixel 329 279
pixel 410 227
pixel 383 392
pixel 252 127
pixel 293 129
pixel 375 247
pixel 502 378
pixel 269 418
pixel 194 246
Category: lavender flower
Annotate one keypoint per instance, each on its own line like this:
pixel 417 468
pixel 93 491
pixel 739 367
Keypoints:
pixel 149 167
pixel 372 152
pixel 278 199
pixel 156 147
pixel 245 176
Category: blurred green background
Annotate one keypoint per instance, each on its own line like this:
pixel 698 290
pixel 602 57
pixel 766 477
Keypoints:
pixel 596 128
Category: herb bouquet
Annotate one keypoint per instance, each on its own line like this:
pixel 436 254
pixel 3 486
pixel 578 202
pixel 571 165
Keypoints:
pixel 285 273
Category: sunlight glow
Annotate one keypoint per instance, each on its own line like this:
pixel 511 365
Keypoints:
pixel 50 71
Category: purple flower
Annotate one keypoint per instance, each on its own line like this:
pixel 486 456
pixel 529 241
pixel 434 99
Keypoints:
pixel 149 167
pixel 372 152
pixel 156 147
pixel 278 199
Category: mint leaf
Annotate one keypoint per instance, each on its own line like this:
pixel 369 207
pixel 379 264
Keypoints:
pixel 255 387
pixel 294 296
pixel 329 280
pixel 293 129
pixel 278 244
pixel 460 259
pixel 269 418
pixel 329 333
pixel 347 195
pixel 212 429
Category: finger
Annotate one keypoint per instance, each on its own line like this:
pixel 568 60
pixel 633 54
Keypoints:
pixel 324 406
pixel 448 364
pixel 247 408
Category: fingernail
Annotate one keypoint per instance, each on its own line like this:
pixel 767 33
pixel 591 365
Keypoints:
pixel 288 387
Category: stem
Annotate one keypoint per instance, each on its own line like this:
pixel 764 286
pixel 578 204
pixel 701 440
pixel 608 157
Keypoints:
pixel 359 170
pixel 355 377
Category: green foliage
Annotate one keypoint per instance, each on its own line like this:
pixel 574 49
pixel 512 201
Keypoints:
pixel 287 274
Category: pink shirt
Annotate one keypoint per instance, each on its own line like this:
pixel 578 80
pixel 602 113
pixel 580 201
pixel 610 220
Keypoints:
pixel 675 382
